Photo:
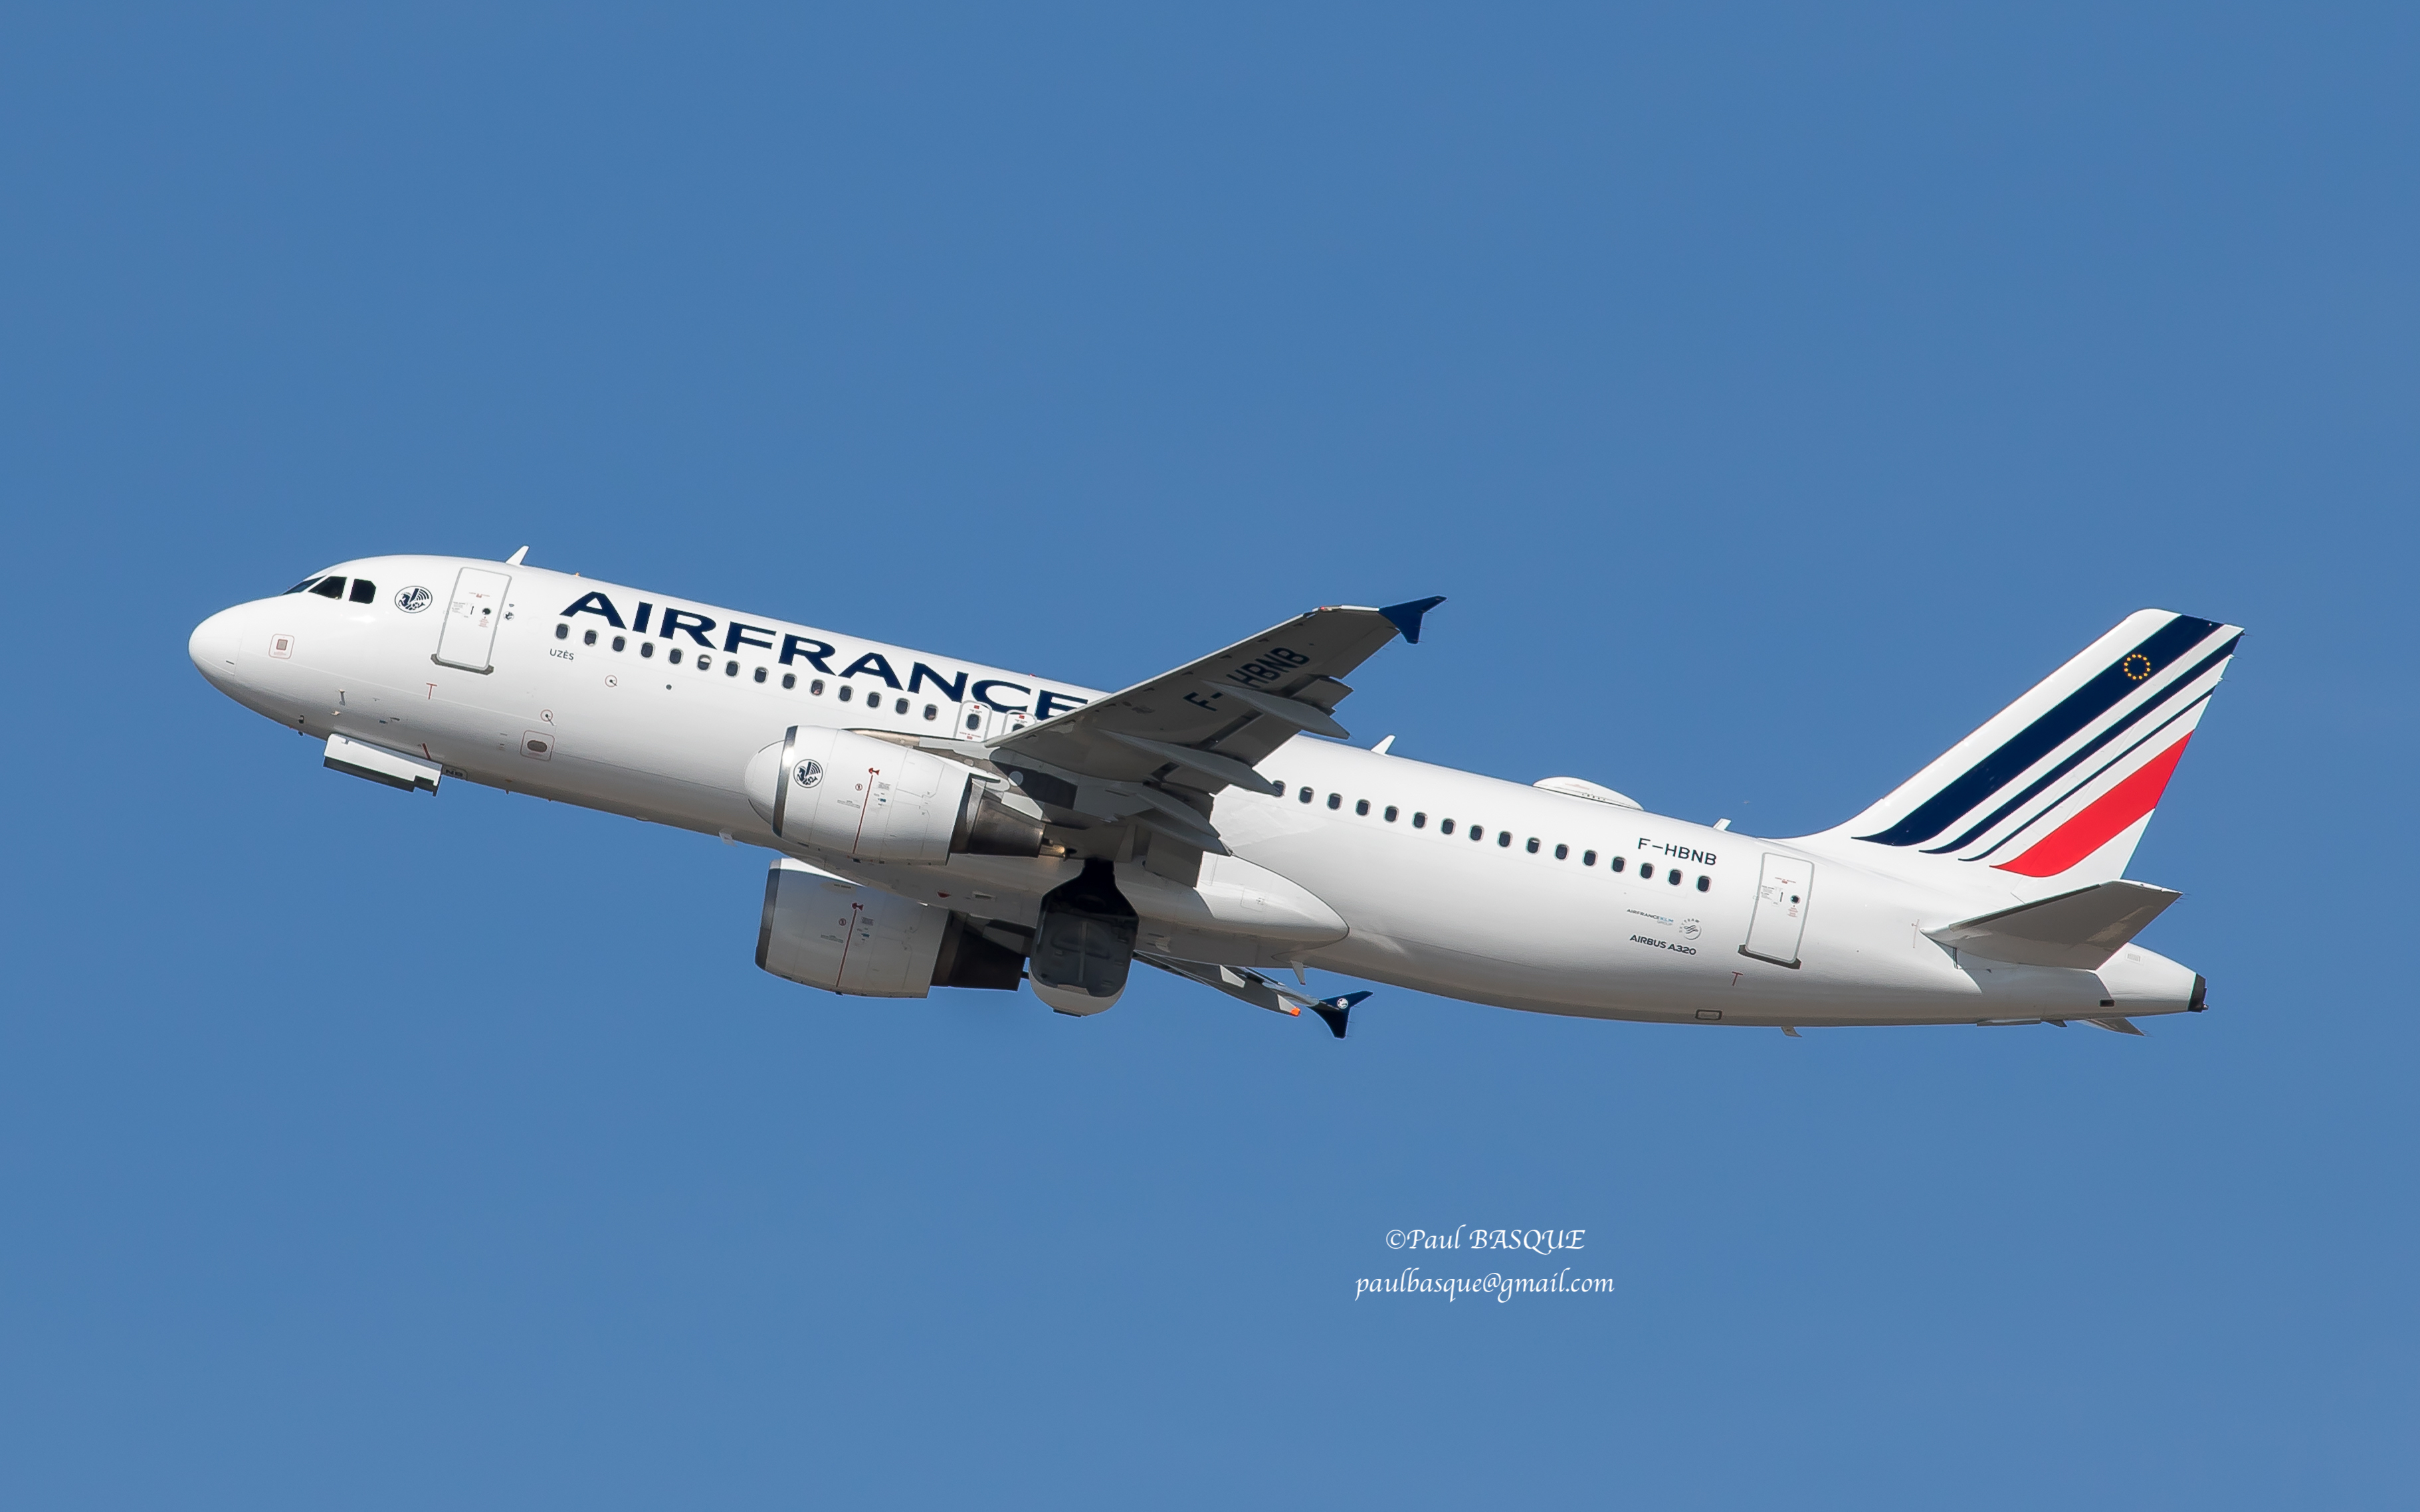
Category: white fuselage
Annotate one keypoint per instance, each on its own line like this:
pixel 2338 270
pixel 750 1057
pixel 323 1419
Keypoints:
pixel 1530 915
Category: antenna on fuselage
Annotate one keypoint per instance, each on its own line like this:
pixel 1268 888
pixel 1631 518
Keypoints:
pixel 515 560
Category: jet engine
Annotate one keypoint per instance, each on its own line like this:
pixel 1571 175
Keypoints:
pixel 822 931
pixel 877 800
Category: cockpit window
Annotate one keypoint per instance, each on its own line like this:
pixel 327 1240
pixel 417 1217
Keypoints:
pixel 364 591
pixel 330 588
pixel 304 583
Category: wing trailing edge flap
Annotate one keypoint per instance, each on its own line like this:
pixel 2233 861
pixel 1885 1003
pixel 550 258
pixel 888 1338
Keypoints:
pixel 1205 725
pixel 2081 929
pixel 1247 985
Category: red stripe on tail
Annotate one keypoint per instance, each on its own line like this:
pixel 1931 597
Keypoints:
pixel 2101 821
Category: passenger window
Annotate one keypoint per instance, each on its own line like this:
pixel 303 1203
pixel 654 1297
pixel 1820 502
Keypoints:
pixel 673 655
pixel 731 669
pixel 1646 873
pixel 789 680
pixel 1444 826
pixel 1477 833
pixel 1703 883
pixel 646 648
pixel 330 588
pixel 1361 807
pixel 1561 853
pixel 1304 795
pixel 760 674
pixel 1420 821
pixel 563 632
pixel 365 591
pixel 1390 813
pixel 1588 857
pixel 588 638
pixel 1504 838
pixel 1673 876
pixel 1336 800
pixel 1617 863
pixel 817 687
pixel 706 664
pixel 900 707
pixel 930 710
pixel 974 721
pixel 619 642
pixel 847 691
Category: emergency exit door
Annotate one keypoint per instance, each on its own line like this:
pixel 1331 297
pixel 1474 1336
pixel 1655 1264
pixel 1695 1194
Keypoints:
pixel 470 632
pixel 1782 892
pixel 978 720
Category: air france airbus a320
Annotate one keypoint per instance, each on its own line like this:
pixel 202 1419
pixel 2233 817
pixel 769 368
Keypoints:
pixel 942 823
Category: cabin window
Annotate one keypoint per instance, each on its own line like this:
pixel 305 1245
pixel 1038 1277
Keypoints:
pixel 1504 838
pixel 760 674
pixel 817 687
pixel 1617 863
pixel 1390 813
pixel 1361 807
pixel 364 592
pixel 673 655
pixel 1336 800
pixel 899 707
pixel 932 710
pixel 563 632
pixel 1444 826
pixel 646 648
pixel 330 588
pixel 1673 876
pixel 974 721
pixel 1646 873
pixel 847 691
pixel 1588 857
pixel 731 669
pixel 1304 795
pixel 789 680
pixel 1477 833
pixel 706 664
pixel 619 642
pixel 588 638
pixel 1420 821
pixel 1561 852
pixel 1703 883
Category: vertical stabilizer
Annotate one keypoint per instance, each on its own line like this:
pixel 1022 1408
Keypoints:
pixel 2062 784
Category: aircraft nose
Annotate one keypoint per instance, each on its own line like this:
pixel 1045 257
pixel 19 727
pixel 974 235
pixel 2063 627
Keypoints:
pixel 213 645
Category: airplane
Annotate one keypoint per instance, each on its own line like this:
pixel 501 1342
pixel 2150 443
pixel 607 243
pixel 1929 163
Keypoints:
pixel 938 823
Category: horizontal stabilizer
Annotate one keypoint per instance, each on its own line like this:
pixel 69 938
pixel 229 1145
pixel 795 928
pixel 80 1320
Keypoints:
pixel 2081 929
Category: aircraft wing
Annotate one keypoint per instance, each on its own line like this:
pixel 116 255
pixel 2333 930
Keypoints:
pixel 1205 725
pixel 2081 929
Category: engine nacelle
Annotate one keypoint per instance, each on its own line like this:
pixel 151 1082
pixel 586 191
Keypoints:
pixel 876 800
pixel 822 931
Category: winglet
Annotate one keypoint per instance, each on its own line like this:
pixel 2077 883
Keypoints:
pixel 1334 1011
pixel 1407 618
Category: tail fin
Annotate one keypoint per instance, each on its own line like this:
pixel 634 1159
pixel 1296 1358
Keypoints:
pixel 2061 783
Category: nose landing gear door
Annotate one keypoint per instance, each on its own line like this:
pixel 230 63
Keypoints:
pixel 470 628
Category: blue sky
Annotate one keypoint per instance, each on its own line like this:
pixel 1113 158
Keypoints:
pixel 1773 394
